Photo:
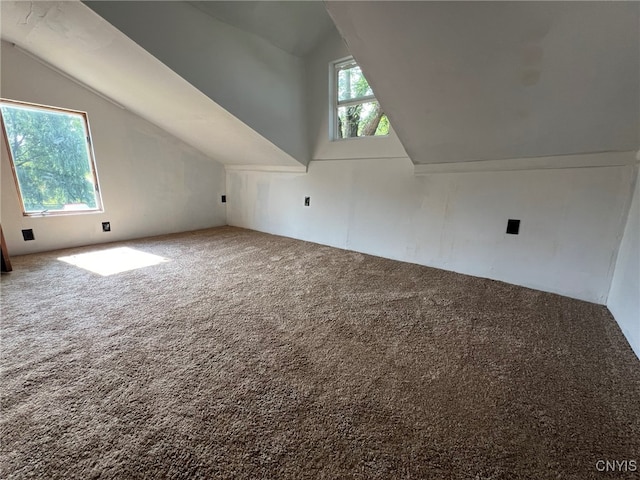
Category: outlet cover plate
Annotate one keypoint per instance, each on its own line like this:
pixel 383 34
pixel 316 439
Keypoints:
pixel 513 227
pixel 27 234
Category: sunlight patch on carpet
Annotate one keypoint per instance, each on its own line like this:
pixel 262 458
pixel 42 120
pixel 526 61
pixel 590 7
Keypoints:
pixel 114 260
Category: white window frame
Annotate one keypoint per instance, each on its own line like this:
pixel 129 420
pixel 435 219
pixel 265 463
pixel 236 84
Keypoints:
pixel 334 104
pixel 90 153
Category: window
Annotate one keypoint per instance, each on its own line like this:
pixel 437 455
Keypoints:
pixel 52 158
pixel 355 112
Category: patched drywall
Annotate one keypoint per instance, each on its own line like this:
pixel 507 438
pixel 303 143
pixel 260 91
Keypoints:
pixel 466 81
pixel 252 79
pixel 624 297
pixel 571 219
pixel 151 182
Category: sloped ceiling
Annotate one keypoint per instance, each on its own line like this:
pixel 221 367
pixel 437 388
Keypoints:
pixel 255 81
pixel 496 80
pixel 74 39
pixel 460 81
pixel 295 27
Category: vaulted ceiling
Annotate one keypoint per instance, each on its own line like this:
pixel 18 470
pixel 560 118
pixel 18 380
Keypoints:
pixel 76 41
pixel 295 27
pixel 464 81
pixel 257 82
pixel 460 81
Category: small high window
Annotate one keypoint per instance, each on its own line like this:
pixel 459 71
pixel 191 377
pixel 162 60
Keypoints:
pixel 355 110
pixel 52 158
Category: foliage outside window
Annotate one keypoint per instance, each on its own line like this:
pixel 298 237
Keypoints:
pixel 52 159
pixel 357 113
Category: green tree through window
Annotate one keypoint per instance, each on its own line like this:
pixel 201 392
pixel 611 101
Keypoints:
pixel 358 113
pixel 52 158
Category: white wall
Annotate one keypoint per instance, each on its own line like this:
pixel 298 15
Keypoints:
pixel 255 81
pixel 571 219
pixel 151 182
pixel 333 48
pixel 624 297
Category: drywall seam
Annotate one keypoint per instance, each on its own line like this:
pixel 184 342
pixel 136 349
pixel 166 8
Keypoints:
pixel 588 160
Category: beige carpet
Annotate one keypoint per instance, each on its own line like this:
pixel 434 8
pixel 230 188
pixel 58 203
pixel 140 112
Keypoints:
pixel 250 356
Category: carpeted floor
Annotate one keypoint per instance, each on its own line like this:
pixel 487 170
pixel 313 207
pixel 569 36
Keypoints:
pixel 250 356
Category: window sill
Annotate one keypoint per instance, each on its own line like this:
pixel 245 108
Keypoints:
pixel 60 213
pixel 358 138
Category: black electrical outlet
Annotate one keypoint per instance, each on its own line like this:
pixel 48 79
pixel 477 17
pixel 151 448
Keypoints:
pixel 106 226
pixel 307 201
pixel 224 199
pixel 513 227
pixel 28 234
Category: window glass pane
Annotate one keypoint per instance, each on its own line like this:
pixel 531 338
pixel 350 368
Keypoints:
pixel 362 120
pixel 351 83
pixel 51 157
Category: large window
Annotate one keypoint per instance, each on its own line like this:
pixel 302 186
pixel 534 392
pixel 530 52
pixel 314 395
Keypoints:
pixel 355 110
pixel 52 159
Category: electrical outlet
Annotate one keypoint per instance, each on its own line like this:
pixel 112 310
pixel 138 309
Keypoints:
pixel 106 226
pixel 28 234
pixel 513 227
pixel 307 201
pixel 224 199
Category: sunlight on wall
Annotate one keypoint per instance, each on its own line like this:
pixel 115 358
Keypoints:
pixel 114 260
